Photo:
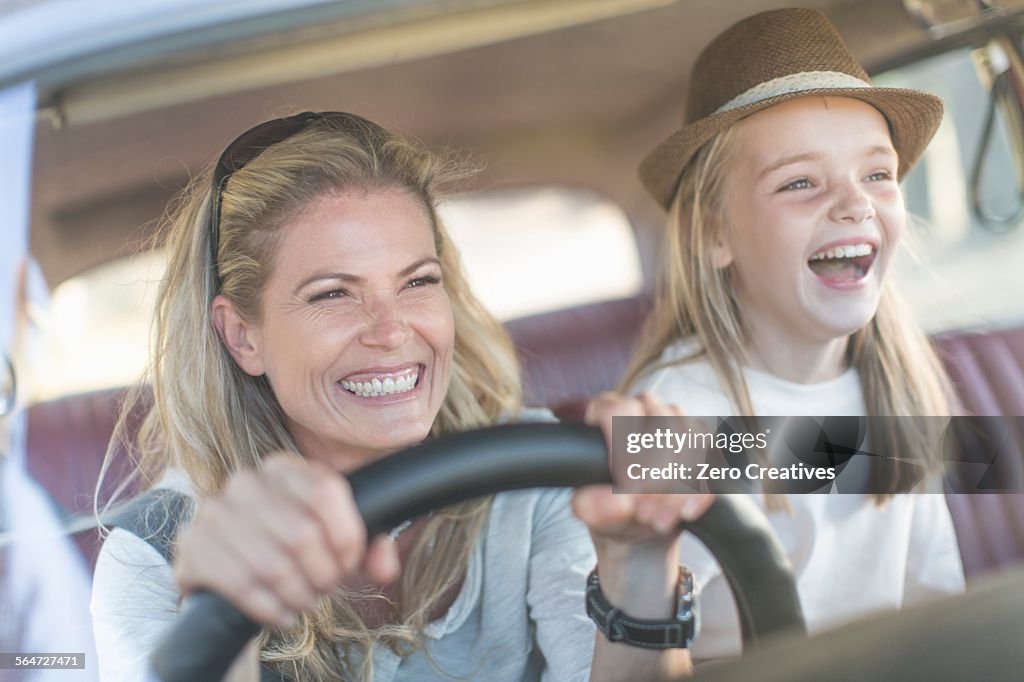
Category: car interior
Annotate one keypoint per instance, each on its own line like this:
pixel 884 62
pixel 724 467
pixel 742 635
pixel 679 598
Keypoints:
pixel 546 96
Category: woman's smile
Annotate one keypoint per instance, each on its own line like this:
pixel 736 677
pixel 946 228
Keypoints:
pixel 383 386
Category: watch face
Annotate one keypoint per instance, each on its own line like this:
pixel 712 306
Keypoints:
pixel 688 606
pixel 696 618
pixel 7 385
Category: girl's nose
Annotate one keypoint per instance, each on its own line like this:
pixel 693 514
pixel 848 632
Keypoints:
pixel 851 204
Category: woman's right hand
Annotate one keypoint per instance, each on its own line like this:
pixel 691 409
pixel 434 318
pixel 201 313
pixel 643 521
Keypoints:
pixel 274 541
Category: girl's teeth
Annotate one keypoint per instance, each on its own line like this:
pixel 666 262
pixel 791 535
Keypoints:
pixel 847 251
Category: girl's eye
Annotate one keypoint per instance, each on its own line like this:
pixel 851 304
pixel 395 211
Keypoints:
pixel 328 295
pixel 879 176
pixel 423 281
pixel 802 183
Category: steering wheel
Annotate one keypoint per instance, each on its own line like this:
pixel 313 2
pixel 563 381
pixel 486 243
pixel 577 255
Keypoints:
pixel 210 633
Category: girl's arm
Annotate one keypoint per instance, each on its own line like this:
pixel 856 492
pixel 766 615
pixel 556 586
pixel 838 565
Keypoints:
pixel 636 539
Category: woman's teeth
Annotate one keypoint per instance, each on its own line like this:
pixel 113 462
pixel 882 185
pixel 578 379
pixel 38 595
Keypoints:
pixel 847 251
pixel 378 387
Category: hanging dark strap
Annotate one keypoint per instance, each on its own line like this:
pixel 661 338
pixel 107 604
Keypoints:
pixel 155 516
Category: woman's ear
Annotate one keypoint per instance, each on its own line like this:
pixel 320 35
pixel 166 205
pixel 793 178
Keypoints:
pixel 239 336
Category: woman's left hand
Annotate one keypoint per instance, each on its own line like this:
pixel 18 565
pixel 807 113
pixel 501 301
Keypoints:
pixel 635 535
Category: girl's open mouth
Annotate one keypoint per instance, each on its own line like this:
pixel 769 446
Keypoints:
pixel 844 265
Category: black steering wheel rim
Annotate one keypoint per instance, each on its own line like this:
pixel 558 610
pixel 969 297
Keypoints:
pixel 210 633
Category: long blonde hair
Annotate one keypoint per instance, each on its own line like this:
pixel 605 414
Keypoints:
pixel 212 419
pixel 900 372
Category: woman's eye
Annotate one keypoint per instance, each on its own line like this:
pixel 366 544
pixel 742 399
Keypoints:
pixel 423 281
pixel 328 295
pixel 802 183
pixel 879 176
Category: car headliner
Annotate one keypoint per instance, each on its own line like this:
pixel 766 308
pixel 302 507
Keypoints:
pixel 540 91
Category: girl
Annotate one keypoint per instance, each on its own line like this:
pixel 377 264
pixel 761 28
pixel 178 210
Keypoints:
pixel 785 212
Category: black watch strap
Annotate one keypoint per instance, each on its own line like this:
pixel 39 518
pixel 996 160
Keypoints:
pixel 673 633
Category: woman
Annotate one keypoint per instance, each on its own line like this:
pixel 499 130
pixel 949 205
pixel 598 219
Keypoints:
pixel 314 306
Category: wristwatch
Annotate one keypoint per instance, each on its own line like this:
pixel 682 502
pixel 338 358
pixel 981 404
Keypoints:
pixel 674 633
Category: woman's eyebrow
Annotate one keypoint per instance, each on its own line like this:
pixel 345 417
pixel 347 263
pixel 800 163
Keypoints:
pixel 418 264
pixel 356 279
pixel 342 276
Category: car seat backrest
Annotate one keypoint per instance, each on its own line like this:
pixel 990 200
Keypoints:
pixel 570 355
pixel 567 356
pixel 987 370
pixel 67 441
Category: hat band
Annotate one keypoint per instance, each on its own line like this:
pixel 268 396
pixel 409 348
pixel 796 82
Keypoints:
pixel 794 82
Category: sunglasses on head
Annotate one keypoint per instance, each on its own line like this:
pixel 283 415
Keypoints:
pixel 254 141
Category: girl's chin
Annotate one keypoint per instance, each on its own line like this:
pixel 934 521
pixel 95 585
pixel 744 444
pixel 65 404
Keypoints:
pixel 848 314
pixel 834 329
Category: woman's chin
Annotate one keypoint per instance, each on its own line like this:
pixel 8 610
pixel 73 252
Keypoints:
pixel 395 440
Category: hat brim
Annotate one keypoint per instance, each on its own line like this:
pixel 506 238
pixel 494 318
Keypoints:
pixel 913 118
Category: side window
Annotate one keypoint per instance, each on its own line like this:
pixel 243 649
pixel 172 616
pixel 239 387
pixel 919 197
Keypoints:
pixel 533 250
pixel 525 251
pixel 95 332
pixel 963 269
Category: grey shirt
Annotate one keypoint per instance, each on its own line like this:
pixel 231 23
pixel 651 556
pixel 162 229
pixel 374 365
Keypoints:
pixel 518 616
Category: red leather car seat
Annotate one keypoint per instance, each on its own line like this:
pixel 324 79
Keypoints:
pixel 67 441
pixel 987 370
pixel 567 356
pixel 570 355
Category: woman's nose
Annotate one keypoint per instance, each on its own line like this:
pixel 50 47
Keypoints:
pixel 385 325
pixel 851 204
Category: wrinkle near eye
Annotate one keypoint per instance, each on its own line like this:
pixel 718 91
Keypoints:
pixel 423 294
pixel 299 308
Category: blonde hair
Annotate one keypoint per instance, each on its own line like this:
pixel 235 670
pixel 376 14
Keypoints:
pixel 899 371
pixel 212 419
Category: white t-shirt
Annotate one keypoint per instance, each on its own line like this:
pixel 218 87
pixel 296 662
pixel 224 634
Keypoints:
pixel 850 556
pixel 519 614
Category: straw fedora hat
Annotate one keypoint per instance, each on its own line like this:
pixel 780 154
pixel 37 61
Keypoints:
pixel 771 58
